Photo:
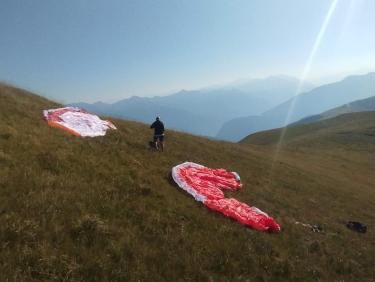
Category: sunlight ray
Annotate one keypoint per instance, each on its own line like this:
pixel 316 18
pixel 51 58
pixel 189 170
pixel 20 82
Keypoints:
pixel 304 74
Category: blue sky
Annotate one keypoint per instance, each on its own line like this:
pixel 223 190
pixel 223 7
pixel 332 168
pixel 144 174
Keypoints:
pixel 91 50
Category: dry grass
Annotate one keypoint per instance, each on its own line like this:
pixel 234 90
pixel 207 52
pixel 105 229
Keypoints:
pixel 104 209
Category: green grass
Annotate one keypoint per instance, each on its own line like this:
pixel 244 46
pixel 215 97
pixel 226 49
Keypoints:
pixel 350 130
pixel 104 209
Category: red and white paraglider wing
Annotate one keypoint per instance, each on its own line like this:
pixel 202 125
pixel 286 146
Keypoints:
pixel 206 185
pixel 77 121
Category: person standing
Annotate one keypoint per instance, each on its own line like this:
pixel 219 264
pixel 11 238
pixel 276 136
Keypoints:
pixel 158 127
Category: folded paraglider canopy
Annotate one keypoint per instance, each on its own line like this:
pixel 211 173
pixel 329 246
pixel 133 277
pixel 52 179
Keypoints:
pixel 206 185
pixel 77 121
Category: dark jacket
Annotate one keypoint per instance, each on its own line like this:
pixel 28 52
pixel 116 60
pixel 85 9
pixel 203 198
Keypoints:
pixel 158 127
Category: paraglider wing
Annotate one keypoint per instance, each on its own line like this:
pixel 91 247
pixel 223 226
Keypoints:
pixel 77 121
pixel 206 185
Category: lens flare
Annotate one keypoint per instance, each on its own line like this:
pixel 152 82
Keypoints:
pixel 304 74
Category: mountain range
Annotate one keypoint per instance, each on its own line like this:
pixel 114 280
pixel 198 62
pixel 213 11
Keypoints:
pixel 363 105
pixel 203 112
pixel 313 102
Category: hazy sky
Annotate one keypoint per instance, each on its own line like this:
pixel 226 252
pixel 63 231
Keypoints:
pixel 76 50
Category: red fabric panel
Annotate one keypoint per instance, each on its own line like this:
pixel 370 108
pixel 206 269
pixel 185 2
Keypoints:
pixel 209 182
pixel 249 216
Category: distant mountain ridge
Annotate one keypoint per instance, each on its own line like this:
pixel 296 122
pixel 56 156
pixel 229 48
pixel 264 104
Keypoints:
pixel 364 105
pixel 203 111
pixel 350 129
pixel 275 89
pixel 318 100
pixel 145 110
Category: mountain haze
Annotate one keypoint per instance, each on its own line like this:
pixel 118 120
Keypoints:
pixel 319 99
pixel 203 111
pixel 145 110
pixel 364 105
pixel 275 89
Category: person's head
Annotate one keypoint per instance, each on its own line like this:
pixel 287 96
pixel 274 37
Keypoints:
pixel 157 118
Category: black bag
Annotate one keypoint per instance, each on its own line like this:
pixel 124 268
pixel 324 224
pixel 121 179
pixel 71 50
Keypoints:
pixel 357 226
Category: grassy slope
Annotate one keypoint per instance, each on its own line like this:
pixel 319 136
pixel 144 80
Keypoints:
pixel 342 147
pixel 349 128
pixel 104 208
pixel 363 105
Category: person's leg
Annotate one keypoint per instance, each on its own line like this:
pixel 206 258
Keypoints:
pixel 162 146
pixel 161 142
pixel 156 142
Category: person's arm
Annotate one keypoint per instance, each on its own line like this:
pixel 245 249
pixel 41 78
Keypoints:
pixel 152 125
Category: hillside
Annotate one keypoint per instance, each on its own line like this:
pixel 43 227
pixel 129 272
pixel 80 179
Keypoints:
pixel 350 129
pixel 105 209
pixel 363 105
pixel 342 147
pixel 203 111
pixel 314 102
